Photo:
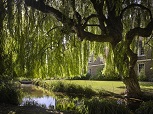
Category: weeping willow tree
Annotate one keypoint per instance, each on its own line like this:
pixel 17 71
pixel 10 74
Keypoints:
pixel 55 38
pixel 35 51
pixel 92 25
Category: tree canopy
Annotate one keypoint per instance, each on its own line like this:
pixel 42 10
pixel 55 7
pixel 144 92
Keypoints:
pixel 51 38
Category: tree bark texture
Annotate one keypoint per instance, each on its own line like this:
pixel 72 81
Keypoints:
pixel 132 85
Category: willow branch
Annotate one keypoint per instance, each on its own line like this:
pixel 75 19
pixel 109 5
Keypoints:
pixel 41 6
pixel 98 6
pixel 98 38
pixel 92 25
pixel 143 32
pixel 88 18
pixel 85 35
pixel 136 5
pixel 53 29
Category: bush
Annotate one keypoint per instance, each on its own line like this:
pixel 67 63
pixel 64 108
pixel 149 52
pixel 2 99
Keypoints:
pixel 111 76
pixel 145 108
pixel 97 77
pixel 69 89
pixel 102 106
pixel 9 95
pixel 58 87
pixel 38 82
pixel 72 89
pixel 142 76
pixel 65 104
pixel 91 106
pixel 85 77
pixel 102 77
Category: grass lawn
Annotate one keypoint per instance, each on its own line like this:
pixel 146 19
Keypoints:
pixel 117 87
pixel 147 87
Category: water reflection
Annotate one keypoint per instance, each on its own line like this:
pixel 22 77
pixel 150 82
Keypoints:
pixel 36 97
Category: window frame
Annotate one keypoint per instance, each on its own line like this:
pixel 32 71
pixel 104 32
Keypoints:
pixel 139 70
pixel 141 50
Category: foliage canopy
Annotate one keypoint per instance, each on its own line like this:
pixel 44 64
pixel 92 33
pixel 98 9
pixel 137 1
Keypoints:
pixel 55 38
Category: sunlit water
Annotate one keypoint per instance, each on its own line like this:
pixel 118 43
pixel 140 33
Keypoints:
pixel 36 97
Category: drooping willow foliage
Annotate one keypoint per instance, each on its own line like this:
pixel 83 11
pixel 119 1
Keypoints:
pixel 37 46
pixel 40 46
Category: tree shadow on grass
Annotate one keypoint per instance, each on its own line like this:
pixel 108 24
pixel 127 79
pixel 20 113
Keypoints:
pixel 146 84
pixel 121 87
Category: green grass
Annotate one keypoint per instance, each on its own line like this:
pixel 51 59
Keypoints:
pixel 111 86
pixel 117 87
pixel 147 87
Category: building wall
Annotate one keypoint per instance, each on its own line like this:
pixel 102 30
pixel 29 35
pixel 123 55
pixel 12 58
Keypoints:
pixel 148 69
pixel 95 65
pixel 144 57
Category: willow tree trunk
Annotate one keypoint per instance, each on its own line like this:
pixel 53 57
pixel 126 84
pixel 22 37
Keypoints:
pixel 132 85
pixel 131 80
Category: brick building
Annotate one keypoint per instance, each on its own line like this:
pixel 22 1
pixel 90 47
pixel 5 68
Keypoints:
pixel 144 63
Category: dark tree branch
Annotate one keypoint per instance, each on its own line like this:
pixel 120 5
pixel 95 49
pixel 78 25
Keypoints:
pixel 144 32
pixel 88 18
pixel 84 35
pixel 53 29
pixel 77 17
pixel 92 25
pixel 135 5
pixel 73 4
pixel 42 19
pixel 77 28
pixel 98 38
pixel 98 6
pixel 39 5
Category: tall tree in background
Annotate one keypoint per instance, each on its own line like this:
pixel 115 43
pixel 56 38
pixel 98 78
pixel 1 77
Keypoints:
pixel 105 21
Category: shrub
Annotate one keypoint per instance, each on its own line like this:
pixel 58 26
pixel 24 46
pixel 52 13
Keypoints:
pixel 38 82
pixel 72 89
pixel 91 106
pixel 83 77
pixel 102 77
pixel 112 76
pixel 145 108
pixel 102 106
pixel 97 77
pixel 9 95
pixel 69 89
pixel 65 105
pixel 142 76
pixel 58 87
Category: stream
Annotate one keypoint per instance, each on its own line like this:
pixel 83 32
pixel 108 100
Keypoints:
pixel 36 96
pixel 33 96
